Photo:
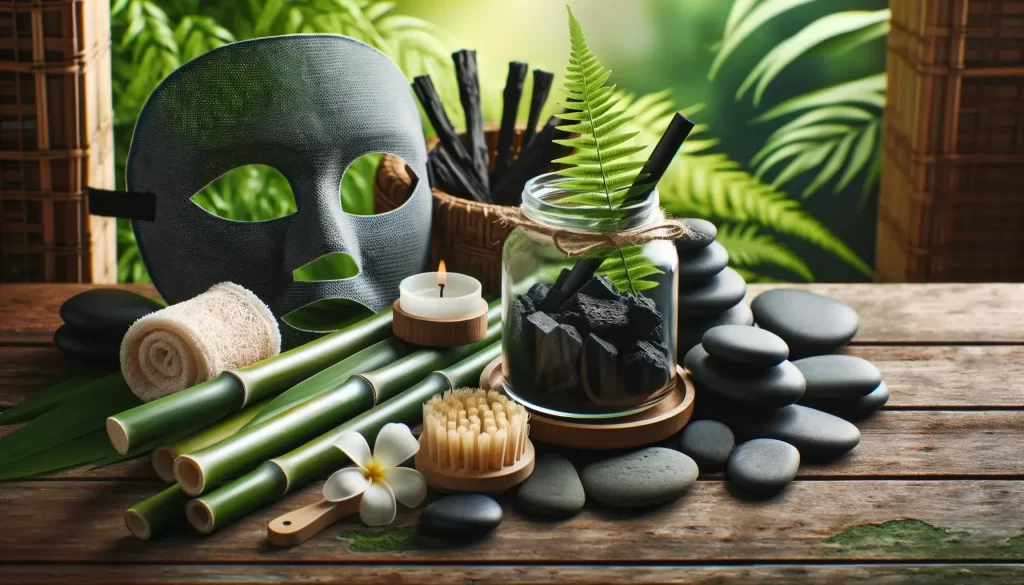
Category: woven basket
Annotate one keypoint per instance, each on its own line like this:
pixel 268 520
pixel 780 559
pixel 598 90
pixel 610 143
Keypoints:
pixel 466 234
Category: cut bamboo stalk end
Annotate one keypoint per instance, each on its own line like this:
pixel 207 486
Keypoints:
pixel 189 475
pixel 162 459
pixel 199 516
pixel 136 524
pixel 117 435
pixel 439 332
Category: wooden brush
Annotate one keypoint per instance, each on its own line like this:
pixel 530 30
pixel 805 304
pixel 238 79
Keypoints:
pixel 474 441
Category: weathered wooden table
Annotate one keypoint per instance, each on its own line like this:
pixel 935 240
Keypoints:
pixel 934 494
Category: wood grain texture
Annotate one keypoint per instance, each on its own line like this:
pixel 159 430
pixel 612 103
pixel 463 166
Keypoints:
pixel 898 574
pixel 975 520
pixel 29 312
pixel 928 313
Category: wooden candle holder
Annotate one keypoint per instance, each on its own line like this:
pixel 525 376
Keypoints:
pixel 655 424
pixel 439 332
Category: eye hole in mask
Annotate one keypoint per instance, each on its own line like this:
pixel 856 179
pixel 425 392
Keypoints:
pixel 248 193
pixel 399 182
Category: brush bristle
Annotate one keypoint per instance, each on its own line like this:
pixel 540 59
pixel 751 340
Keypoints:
pixel 469 429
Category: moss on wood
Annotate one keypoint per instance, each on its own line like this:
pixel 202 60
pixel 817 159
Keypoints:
pixel 915 538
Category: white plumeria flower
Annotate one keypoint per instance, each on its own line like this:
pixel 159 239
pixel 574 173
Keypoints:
pixel 378 477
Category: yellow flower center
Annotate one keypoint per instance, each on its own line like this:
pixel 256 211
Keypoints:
pixel 374 471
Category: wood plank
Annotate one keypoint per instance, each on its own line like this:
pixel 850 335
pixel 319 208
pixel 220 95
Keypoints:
pixel 903 444
pixel 940 377
pixel 890 313
pixel 929 313
pixel 821 521
pixel 902 574
pixel 29 312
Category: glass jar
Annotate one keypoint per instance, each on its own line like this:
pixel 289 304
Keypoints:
pixel 590 335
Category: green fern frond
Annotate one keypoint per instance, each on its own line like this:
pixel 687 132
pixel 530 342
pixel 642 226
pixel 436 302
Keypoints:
pixel 751 249
pixel 603 166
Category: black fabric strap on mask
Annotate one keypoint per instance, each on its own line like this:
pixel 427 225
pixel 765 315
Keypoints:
pixel 123 204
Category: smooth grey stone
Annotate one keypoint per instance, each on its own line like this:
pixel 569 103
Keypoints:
pixel 108 312
pixel 708 443
pixel 772 387
pixel 553 489
pixel 461 516
pixel 816 434
pixel 703 263
pixel 810 323
pixel 87 346
pixel 699 233
pixel 841 377
pixel 851 409
pixel 745 346
pixel 763 466
pixel 640 479
pixel 712 297
pixel 692 330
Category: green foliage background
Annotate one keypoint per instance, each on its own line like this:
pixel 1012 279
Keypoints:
pixel 787 94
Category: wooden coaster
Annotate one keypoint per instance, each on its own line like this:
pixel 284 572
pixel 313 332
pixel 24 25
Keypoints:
pixel 657 423
pixel 439 332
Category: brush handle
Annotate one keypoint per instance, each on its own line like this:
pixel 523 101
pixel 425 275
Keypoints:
pixel 298 526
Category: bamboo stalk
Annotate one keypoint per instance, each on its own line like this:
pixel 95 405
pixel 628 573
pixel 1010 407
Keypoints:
pixel 200 405
pixel 273 479
pixel 162 457
pixel 157 513
pixel 204 469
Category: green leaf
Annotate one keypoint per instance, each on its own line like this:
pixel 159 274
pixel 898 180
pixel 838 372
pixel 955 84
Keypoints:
pixel 869 91
pixel 861 153
pixel 57 394
pixel 749 248
pixel 73 418
pixel 748 25
pixel 811 158
pixel 72 453
pixel 628 268
pixel 821 30
pixel 835 162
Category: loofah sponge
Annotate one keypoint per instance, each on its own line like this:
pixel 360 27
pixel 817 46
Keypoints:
pixel 193 341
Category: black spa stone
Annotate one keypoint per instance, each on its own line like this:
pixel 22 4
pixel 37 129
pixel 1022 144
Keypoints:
pixel 851 409
pixel 708 443
pixel 87 346
pixel 692 330
pixel 641 479
pixel 557 349
pixel 838 377
pixel 772 387
pixel 713 297
pixel 461 516
pixel 699 234
pixel 644 369
pixel 763 466
pixel 553 490
pixel 818 436
pixel 107 312
pixel 811 324
pixel 703 263
pixel 745 346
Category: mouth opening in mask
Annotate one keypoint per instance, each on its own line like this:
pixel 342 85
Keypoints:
pixel 327 315
pixel 333 266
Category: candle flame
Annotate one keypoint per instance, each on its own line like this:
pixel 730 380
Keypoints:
pixel 442 274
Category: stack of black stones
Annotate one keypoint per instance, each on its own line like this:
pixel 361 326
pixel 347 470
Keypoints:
pixel 779 411
pixel 710 293
pixel 96 321
pixel 581 342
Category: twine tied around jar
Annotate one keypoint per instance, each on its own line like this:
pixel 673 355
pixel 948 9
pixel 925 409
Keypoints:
pixel 579 242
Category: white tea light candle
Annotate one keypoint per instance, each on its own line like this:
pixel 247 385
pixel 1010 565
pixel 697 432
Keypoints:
pixel 440 295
